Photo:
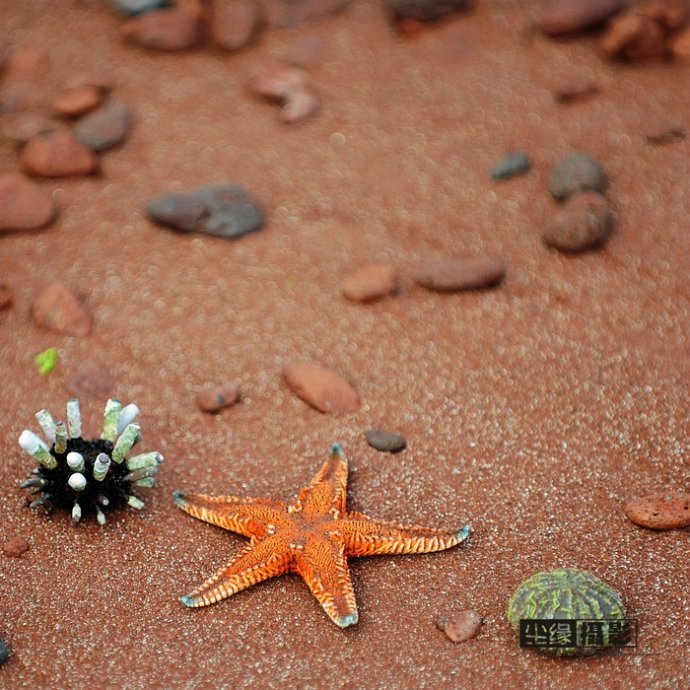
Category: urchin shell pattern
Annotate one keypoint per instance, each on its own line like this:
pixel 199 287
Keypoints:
pixel 88 476
pixel 567 593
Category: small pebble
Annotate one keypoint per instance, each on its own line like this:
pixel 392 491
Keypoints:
pixel 425 10
pixel 236 23
pixel 371 282
pixel 660 511
pixel 23 204
pixel 585 221
pixel 461 626
pixel 665 134
pixel 4 651
pixel 6 297
pixel 321 388
pixel 15 547
pixel 634 36
pixel 217 398
pixel 91 382
pixel 385 441
pixel 576 172
pixel 511 165
pixel 77 101
pixel 175 28
pixel 576 88
pixel 570 16
pixel 290 87
pixel 104 128
pixel 57 154
pixel 222 210
pixel 58 308
pixel 466 273
pixel 132 7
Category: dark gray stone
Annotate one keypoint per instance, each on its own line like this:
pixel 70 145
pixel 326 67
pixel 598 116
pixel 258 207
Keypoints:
pixel 105 127
pixel 386 441
pixel 576 172
pixel 513 164
pixel 4 651
pixel 132 7
pixel 222 210
pixel 425 10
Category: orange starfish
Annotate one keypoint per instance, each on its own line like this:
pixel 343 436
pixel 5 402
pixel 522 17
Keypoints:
pixel 312 536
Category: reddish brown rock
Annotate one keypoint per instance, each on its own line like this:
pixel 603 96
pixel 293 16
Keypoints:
pixel 217 398
pixel 19 127
pixel 289 86
pixel 634 36
pixel 77 101
pixel 680 46
pixel 371 282
pixel 175 28
pixel 91 382
pixel 6 296
pixel 670 15
pixel 15 547
pixel 236 23
pixel 57 154
pixel 59 308
pixel 660 511
pixel 321 388
pixel 23 204
pixel 461 626
pixel 576 88
pixel 465 273
pixel 664 132
pixel 570 16
pixel 585 221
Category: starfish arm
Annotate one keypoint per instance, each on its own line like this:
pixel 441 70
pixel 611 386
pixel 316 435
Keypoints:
pixel 250 517
pixel 363 536
pixel 322 563
pixel 257 562
pixel 327 491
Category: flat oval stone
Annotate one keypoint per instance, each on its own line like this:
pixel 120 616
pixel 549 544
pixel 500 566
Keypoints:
pixel 77 101
pixel 59 308
pixel 321 388
pixel 236 23
pixel 569 16
pixel 385 441
pixel 104 128
pixel 576 172
pixel 461 626
pixel 57 154
pixel 218 397
pixel 173 28
pixel 467 273
pixel 585 221
pixel 669 510
pixel 370 283
pixel 23 204
pixel 511 165
pixel 222 210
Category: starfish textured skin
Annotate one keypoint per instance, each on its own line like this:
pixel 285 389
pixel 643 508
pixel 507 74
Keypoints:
pixel 313 536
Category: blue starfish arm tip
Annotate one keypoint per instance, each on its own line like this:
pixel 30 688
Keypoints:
pixel 187 601
pixel 336 448
pixel 349 619
pixel 464 532
pixel 178 497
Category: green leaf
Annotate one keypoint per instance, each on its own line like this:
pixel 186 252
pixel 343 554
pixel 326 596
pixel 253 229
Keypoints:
pixel 46 360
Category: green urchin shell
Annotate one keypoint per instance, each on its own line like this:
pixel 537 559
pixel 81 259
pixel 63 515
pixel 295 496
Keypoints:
pixel 567 593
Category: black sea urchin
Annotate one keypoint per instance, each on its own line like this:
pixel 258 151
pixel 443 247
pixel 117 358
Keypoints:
pixel 88 476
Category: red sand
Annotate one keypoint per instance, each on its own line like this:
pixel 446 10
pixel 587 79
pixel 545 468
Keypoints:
pixel 532 411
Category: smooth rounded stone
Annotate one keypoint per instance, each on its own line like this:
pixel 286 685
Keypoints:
pixel 235 24
pixel 576 172
pixel 175 28
pixel 425 10
pixel 132 7
pixel 222 210
pixel 465 273
pixel 371 282
pixel 585 221
pixel 570 16
pixel 511 165
pixel 58 308
pixel 6 297
pixel 634 36
pixel 15 547
pixel 91 382
pixel 18 128
pixel 4 651
pixel 385 441
pixel 660 132
pixel 23 204
pixel 574 88
pixel 57 154
pixel 104 128
pixel 460 626
pixel 77 101
pixel 660 511
pixel 321 388
pixel 217 398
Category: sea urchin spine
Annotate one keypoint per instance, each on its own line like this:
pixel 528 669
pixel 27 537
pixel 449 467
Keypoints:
pixel 88 476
